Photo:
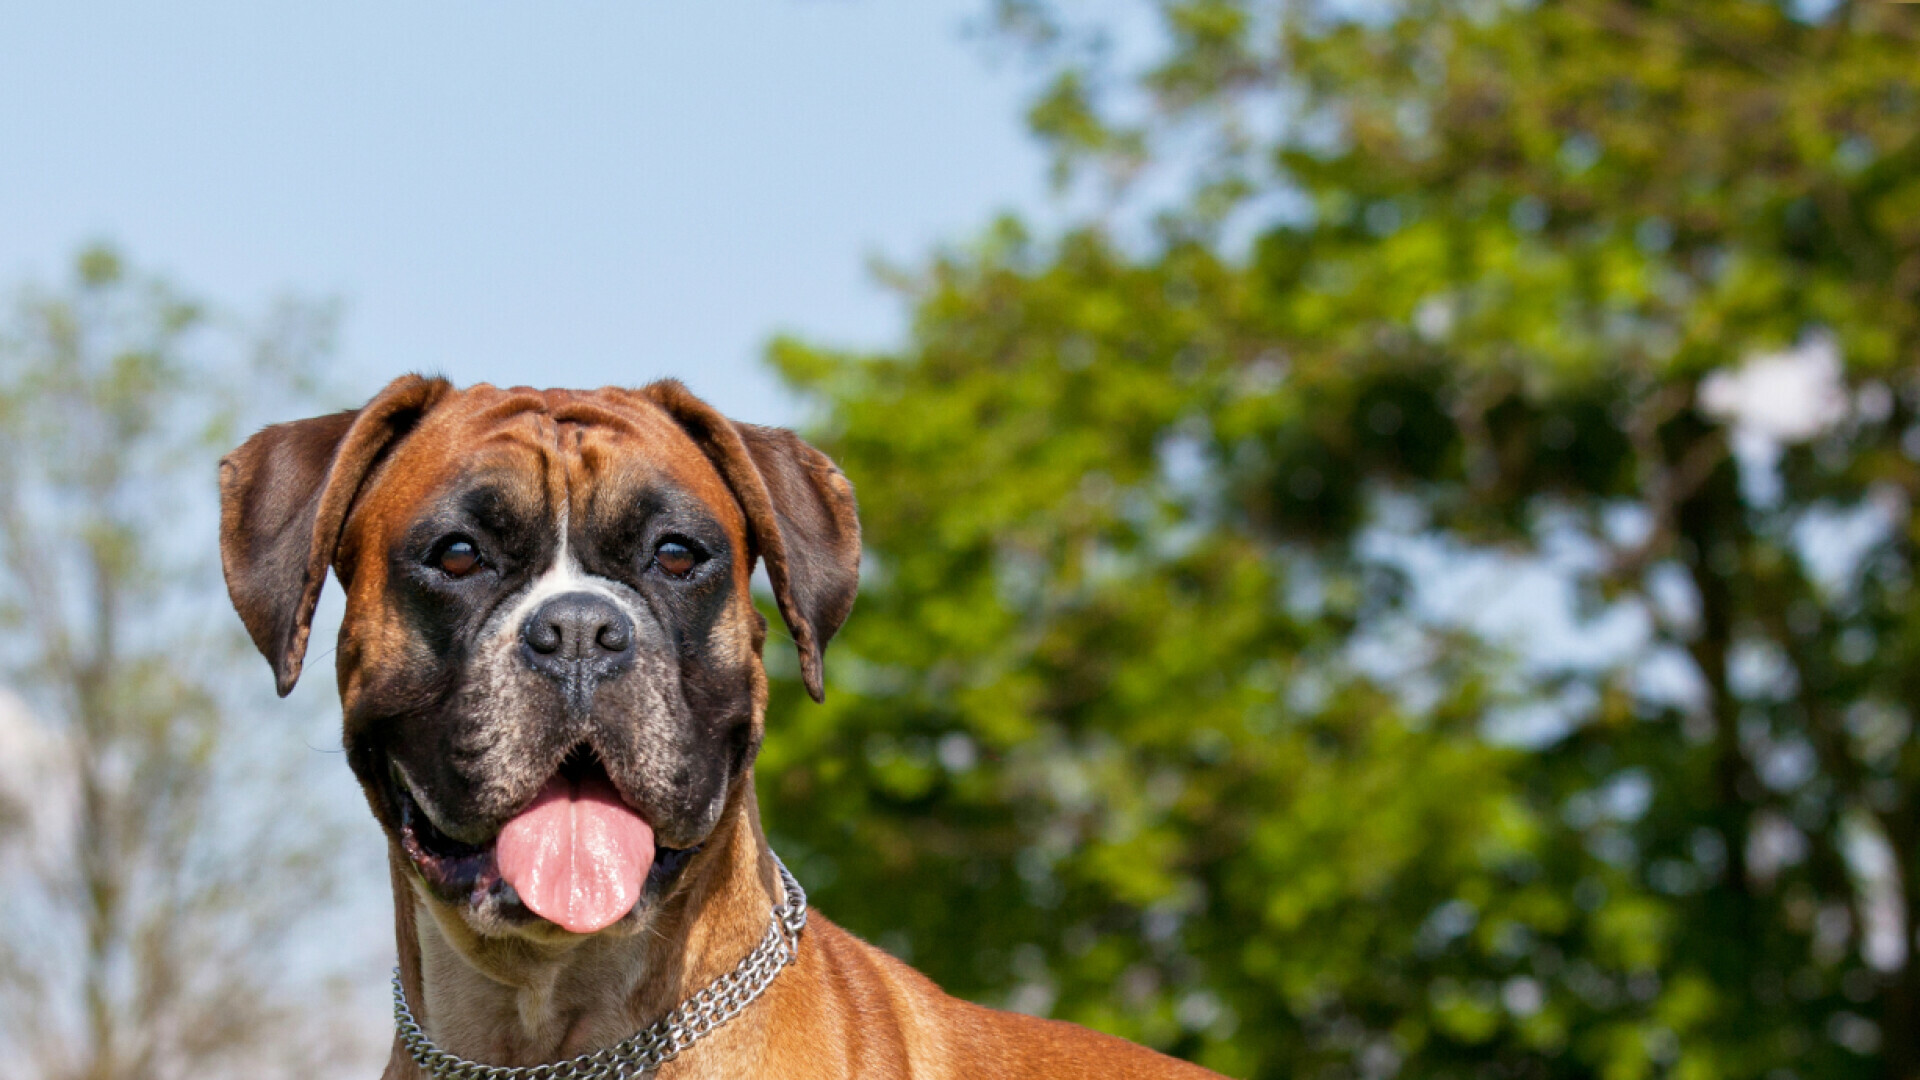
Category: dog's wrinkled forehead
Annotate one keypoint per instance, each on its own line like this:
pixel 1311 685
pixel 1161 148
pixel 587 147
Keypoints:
pixel 540 461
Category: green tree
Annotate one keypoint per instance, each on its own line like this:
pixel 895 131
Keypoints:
pixel 159 862
pixel 1154 713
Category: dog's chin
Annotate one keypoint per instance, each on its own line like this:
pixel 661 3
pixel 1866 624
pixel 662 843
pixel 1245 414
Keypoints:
pixel 464 879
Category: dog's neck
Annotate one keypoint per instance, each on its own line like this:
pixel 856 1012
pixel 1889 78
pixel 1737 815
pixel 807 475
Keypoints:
pixel 514 1002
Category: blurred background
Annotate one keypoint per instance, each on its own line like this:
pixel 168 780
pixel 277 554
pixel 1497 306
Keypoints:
pixel 1390 544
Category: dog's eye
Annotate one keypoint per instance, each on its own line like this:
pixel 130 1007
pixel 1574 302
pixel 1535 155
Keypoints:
pixel 676 557
pixel 457 557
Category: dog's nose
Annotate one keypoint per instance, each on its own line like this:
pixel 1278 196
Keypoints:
pixel 578 638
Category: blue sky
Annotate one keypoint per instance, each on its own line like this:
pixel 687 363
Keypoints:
pixel 551 194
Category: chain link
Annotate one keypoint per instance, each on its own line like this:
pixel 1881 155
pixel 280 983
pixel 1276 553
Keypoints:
pixel 718 1002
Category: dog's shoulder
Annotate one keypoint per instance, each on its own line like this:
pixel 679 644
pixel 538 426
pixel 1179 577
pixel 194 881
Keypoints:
pixel 995 1043
pixel 894 1021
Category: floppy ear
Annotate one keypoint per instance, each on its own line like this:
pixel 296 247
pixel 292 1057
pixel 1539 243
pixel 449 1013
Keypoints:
pixel 800 517
pixel 284 497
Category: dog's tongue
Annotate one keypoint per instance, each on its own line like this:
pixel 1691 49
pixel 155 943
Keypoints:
pixel 578 856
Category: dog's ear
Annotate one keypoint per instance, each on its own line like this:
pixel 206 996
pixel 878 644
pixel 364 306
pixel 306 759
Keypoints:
pixel 800 517
pixel 284 497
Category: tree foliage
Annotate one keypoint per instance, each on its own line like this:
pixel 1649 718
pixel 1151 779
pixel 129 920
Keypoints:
pixel 1162 709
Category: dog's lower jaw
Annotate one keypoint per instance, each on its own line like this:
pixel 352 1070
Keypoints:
pixel 511 1001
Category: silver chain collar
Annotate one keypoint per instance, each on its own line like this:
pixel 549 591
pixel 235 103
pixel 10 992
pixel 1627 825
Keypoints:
pixel 692 1020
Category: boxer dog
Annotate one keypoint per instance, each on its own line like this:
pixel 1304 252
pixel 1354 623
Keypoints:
pixel 550 676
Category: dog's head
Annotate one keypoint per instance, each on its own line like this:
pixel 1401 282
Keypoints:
pixel 549 664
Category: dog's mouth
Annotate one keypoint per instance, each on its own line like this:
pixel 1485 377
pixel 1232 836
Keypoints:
pixel 577 856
